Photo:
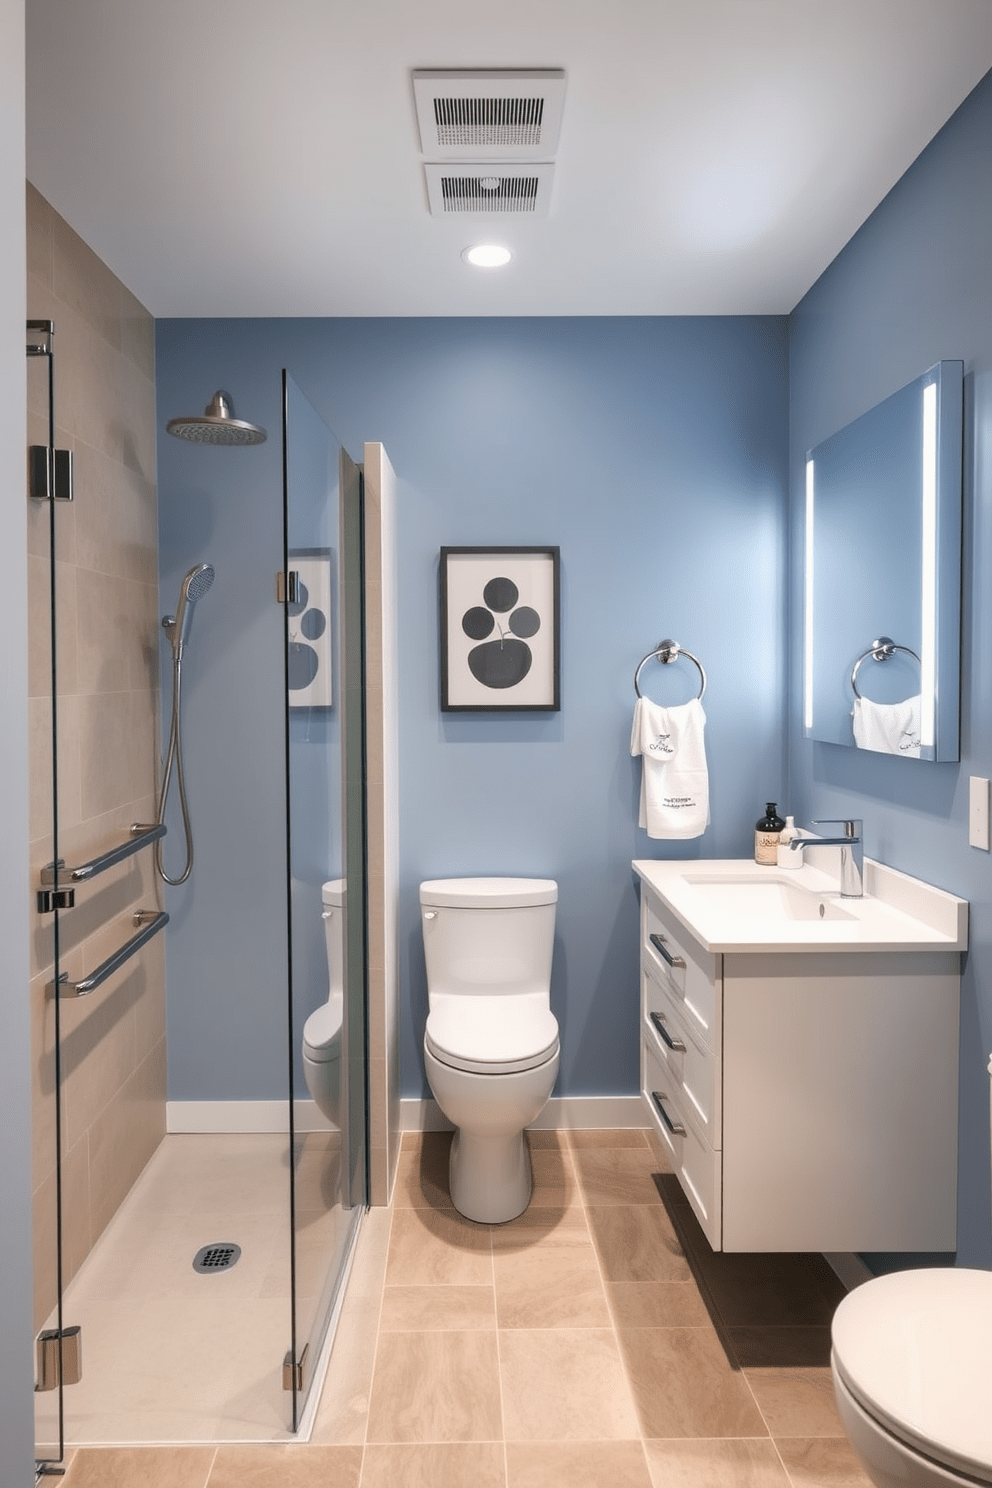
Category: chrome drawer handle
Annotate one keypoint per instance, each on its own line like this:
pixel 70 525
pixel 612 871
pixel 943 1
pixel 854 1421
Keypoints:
pixel 675 1127
pixel 658 941
pixel 666 1037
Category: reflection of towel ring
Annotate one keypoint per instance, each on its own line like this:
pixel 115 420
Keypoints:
pixel 879 650
pixel 668 651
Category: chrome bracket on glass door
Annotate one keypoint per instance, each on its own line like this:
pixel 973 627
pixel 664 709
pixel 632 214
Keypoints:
pixel 59 1358
pixel 288 587
pixel 49 473
pixel 292 1370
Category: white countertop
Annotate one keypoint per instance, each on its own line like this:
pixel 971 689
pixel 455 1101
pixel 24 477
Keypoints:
pixel 735 904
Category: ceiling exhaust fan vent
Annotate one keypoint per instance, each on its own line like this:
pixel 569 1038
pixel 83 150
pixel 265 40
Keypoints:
pixel 499 191
pixel 488 115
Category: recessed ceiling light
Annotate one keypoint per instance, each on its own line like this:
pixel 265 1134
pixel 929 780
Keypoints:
pixel 487 256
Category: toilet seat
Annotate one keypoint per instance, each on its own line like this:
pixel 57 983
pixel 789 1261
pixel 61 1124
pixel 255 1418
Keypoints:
pixel 491 1035
pixel 322 1031
pixel 914 1350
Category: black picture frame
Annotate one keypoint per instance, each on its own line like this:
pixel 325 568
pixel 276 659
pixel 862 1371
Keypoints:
pixel 500 632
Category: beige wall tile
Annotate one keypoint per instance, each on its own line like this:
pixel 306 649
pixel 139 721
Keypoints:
pixel 104 629
pixel 83 282
pixel 124 1138
pixel 137 333
pixel 40 219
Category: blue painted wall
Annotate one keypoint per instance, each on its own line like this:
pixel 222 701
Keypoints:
pixel 912 287
pixel 654 452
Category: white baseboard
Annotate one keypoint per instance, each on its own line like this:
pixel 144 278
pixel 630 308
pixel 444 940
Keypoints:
pixel 242 1116
pixel 569 1112
pixel 849 1268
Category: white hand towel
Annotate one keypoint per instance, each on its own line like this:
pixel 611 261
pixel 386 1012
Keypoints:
pixel 888 728
pixel 675 793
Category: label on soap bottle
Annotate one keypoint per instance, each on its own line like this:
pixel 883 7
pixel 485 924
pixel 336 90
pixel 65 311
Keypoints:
pixel 766 848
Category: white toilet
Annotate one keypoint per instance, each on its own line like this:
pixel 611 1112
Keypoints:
pixel 491 1041
pixel 322 1030
pixel 912 1371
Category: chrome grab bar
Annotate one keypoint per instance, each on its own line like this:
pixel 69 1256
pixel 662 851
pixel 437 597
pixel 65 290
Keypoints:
pixel 151 922
pixel 141 834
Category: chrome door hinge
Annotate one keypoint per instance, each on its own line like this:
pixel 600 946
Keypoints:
pixel 60 1358
pixel 292 1370
pixel 288 592
pixel 50 476
pixel 49 900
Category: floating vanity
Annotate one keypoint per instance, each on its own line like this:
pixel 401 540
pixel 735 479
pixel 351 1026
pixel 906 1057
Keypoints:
pixel 799 1052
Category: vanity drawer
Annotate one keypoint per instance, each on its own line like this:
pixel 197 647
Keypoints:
pixel 696 1165
pixel 668 1033
pixel 680 963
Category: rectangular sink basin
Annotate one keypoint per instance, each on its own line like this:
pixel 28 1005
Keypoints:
pixel 768 898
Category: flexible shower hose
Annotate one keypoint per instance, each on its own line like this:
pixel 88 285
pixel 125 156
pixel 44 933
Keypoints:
pixel 175 757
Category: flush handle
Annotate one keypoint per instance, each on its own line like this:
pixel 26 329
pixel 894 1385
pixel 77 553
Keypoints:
pixel 675 1127
pixel 430 914
pixel 666 1037
pixel 658 941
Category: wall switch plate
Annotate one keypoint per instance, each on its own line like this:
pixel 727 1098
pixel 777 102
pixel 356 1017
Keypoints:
pixel 978 812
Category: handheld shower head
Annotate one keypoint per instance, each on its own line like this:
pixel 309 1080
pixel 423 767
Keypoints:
pixel 193 587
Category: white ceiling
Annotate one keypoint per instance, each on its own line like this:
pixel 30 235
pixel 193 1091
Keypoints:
pixel 244 157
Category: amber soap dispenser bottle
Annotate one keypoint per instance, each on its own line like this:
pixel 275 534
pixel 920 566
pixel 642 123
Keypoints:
pixel 766 831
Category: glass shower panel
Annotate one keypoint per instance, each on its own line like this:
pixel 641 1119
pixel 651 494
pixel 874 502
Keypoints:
pixel 324 748
pixel 47 519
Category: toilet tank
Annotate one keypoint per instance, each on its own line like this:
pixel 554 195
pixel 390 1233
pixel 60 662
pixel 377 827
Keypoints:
pixel 488 935
pixel 332 898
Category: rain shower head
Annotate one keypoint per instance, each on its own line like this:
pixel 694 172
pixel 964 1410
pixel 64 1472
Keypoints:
pixel 193 587
pixel 216 425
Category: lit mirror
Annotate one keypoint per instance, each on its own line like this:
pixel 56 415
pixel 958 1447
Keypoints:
pixel 883 574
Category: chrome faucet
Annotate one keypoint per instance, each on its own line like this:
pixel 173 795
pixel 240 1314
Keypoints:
pixel 852 853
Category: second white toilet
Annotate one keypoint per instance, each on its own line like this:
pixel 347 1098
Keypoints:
pixel 491 1043
pixel 322 1030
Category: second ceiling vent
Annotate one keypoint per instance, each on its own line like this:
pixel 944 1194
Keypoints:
pixel 489 115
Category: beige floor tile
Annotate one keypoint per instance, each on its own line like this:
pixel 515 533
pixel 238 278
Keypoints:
pixel 588 1464
pixel 343 1407
pixel 715 1463
pixel 564 1385
pixel 788 1370
pixel 437 1247
pixel 422 1175
pixel 610 1175
pixel 822 1463
pixel 622 1137
pixel 538 1138
pixel 412 1309
pixel 281 1466
pixel 451 1465
pixel 545 1288
pixel 139 1467
pixel 657 1304
pixel 638 1243
pixel 554 1179
pixel 684 1384
pixel 547 1226
pixel 436 1387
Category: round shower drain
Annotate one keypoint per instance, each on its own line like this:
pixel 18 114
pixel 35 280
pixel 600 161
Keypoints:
pixel 218 1257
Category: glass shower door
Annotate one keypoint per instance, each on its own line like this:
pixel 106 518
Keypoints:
pixel 326 874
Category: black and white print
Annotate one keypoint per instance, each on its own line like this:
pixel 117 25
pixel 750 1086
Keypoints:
pixel 309 620
pixel 499 628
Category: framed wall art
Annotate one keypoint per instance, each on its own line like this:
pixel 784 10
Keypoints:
pixel 309 625
pixel 499 629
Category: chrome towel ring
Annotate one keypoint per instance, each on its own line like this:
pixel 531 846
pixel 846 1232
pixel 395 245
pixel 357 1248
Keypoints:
pixel 880 649
pixel 668 651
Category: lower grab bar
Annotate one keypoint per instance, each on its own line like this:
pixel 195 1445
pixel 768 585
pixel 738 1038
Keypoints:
pixel 151 922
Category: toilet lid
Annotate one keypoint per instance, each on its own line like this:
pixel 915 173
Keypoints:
pixel 491 1035
pixel 322 1031
pixel 915 1351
